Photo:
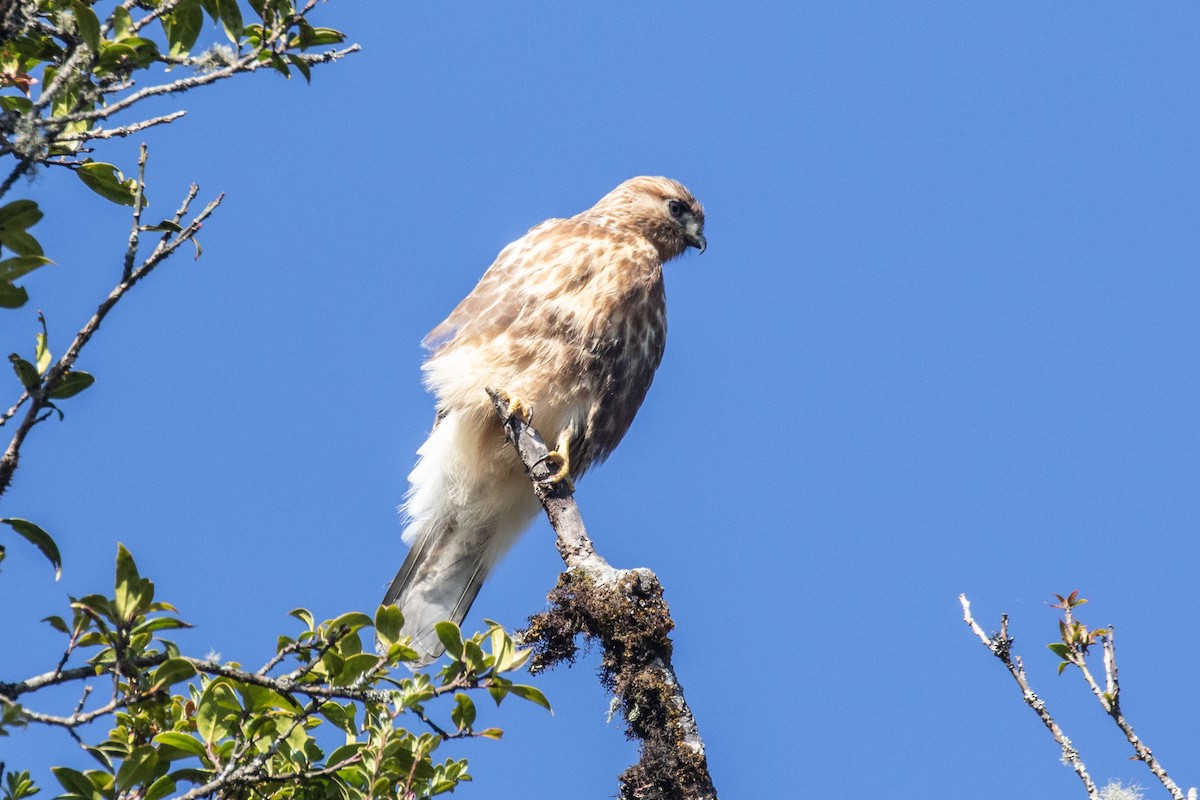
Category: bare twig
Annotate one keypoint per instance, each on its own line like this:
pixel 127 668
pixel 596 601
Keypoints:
pixel 135 229
pixel 125 130
pixel 1001 646
pixel 7 415
pixel 78 718
pixel 625 611
pixel 40 405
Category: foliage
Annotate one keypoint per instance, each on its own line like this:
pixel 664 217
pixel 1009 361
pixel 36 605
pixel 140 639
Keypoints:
pixel 71 73
pixel 322 718
pixel 319 720
pixel 92 67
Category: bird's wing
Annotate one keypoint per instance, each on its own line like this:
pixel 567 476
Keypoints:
pixel 550 254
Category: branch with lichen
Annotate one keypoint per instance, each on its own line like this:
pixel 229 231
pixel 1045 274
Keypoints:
pixel 623 610
pixel 1076 639
pixel 1000 644
pixel 88 65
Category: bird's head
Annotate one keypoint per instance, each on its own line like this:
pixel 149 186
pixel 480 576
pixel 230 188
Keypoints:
pixel 660 209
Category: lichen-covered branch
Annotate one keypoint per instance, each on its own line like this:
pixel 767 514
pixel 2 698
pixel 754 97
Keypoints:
pixel 625 612
pixel 1001 646
pixel 1076 641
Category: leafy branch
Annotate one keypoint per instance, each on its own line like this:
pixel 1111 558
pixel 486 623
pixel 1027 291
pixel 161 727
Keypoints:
pixel 186 728
pixel 92 69
pixel 44 382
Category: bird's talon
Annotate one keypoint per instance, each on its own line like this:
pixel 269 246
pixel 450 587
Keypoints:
pixel 520 409
pixel 558 461
pixel 559 466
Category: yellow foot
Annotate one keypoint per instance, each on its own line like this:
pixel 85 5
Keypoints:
pixel 558 461
pixel 520 409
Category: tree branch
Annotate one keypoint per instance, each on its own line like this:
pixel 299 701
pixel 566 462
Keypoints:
pixel 625 611
pixel 1001 646
pixel 40 398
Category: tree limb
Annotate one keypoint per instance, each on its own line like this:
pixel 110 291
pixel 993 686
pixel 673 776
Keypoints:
pixel 625 611
pixel 40 397
pixel 1001 646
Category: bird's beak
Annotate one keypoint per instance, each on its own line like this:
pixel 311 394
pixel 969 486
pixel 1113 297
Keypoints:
pixel 695 237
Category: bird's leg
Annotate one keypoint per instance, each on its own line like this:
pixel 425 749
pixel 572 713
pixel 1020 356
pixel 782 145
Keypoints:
pixel 558 461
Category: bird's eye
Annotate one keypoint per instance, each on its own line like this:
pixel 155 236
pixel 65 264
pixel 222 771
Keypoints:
pixel 676 208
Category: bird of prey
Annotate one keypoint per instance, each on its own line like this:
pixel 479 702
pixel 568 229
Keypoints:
pixel 570 323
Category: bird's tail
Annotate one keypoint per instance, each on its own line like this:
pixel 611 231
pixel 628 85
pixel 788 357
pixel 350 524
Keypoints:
pixel 468 502
pixel 438 581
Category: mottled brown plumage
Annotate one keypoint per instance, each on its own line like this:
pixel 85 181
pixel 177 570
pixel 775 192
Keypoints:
pixel 570 319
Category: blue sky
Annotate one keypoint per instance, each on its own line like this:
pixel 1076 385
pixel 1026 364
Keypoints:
pixel 943 340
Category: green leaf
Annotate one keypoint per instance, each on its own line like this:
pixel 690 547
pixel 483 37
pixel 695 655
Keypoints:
pixel 231 19
pixel 71 384
pixel 451 638
pixel 300 64
pixel 15 267
pixel 304 615
pixel 388 622
pixel 183 26
pixel 499 689
pixel 339 717
pixel 402 653
pixel 165 225
pixel 163 786
pixel 19 215
pixel 74 782
pixel 218 706
pixel 170 672
pixel 87 24
pixel 352 622
pixel 133 592
pixel 21 105
pixel 27 374
pixel 108 182
pixel 532 695
pixel 277 62
pixel 42 352
pixel 320 36
pixel 344 753
pixel 263 699
pixel 138 769
pixel 158 624
pixel 355 667
pixel 1059 649
pixel 463 713
pixel 182 742
pixel 492 733
pixel 122 22
pixel 20 242
pixel 12 296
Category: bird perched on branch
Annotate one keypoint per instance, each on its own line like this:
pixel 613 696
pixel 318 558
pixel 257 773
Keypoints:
pixel 570 323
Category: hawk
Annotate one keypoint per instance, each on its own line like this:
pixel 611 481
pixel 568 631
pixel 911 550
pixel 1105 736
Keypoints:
pixel 569 322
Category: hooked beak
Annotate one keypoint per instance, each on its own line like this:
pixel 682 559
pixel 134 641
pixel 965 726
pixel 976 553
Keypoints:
pixel 695 237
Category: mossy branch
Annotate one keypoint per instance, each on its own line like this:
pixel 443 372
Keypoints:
pixel 625 612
